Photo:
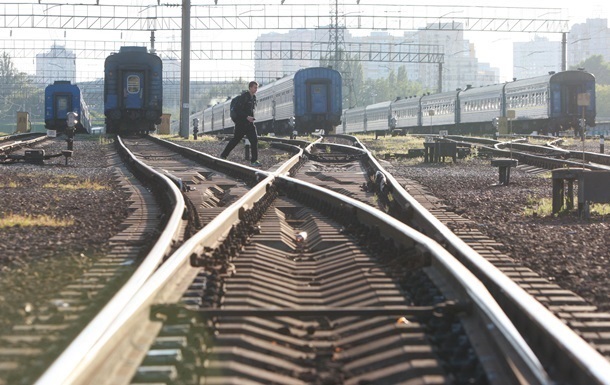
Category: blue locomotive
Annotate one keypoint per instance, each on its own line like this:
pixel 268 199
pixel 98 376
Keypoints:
pixel 306 101
pixel 63 97
pixel 133 91
pixel 546 104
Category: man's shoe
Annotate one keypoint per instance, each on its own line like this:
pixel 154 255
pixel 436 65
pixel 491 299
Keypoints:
pixel 223 157
pixel 256 164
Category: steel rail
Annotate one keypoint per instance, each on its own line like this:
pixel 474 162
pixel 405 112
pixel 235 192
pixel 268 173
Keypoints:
pixel 161 287
pixel 19 141
pixel 96 364
pixel 80 350
pixel 594 366
pixel 97 348
pixel 97 367
pixel 477 292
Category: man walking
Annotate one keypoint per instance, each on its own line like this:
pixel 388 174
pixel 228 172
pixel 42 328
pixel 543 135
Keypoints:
pixel 244 124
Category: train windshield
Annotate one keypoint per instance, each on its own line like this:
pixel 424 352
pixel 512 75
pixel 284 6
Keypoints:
pixel 133 84
pixel 133 97
pixel 62 106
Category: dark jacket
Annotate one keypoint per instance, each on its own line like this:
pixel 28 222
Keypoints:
pixel 246 107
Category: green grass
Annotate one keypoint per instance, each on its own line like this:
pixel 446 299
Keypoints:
pixel 10 184
pixel 178 138
pixel 64 182
pixel 80 185
pixel 600 208
pixel 391 144
pixel 12 220
pixel 536 207
pixel 543 207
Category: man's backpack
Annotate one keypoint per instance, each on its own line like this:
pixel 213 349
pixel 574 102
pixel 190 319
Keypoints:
pixel 234 107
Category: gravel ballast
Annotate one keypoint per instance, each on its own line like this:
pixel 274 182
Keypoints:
pixel 36 260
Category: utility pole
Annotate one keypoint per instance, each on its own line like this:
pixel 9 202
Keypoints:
pixel 336 48
pixel 185 69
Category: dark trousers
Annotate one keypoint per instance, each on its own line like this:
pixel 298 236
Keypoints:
pixel 249 131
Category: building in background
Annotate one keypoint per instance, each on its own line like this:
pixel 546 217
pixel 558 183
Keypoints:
pixel 588 39
pixel 461 66
pixel 541 55
pixel 279 54
pixel 171 83
pixel 58 63
pixel 536 58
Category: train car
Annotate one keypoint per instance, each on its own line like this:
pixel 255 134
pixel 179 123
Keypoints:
pixel 218 117
pixel 406 113
pixel 63 97
pixel 354 120
pixel 311 99
pixel 206 125
pixel 479 107
pixel 550 103
pixel 439 111
pixel 133 91
pixel 318 100
pixel 378 117
pixel 306 101
pixel 544 104
pixel 226 115
pixel 273 105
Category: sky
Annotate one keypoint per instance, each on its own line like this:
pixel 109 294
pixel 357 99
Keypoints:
pixel 496 48
pixel 491 47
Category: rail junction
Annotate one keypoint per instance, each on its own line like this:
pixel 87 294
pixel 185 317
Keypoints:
pixel 319 270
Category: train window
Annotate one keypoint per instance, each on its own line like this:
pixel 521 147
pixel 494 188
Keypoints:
pixel 133 84
pixel 62 103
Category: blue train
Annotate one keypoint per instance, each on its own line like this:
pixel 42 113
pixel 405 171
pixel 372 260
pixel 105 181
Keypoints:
pixel 546 104
pixel 60 98
pixel 306 101
pixel 133 91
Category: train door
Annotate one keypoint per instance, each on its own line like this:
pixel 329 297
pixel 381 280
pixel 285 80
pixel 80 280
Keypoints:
pixel 63 105
pixel 319 98
pixel 570 93
pixel 564 99
pixel 133 97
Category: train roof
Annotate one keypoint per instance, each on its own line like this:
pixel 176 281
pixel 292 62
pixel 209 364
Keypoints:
pixel 406 101
pixel 442 95
pixel 303 72
pixel 316 71
pixel 379 105
pixel 133 49
pixel 492 89
pixel 62 85
pixel 552 77
pixel 278 81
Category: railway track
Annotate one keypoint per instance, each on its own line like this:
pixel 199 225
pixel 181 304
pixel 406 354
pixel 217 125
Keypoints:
pixel 547 157
pixel 34 343
pixel 10 144
pixel 293 283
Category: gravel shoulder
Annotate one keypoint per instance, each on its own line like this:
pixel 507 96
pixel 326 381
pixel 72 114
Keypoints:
pixel 572 252
pixel 64 216
pixel 569 250
pixel 36 260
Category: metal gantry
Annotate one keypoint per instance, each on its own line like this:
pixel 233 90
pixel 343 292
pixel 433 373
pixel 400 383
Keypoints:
pixel 157 19
pixel 167 17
